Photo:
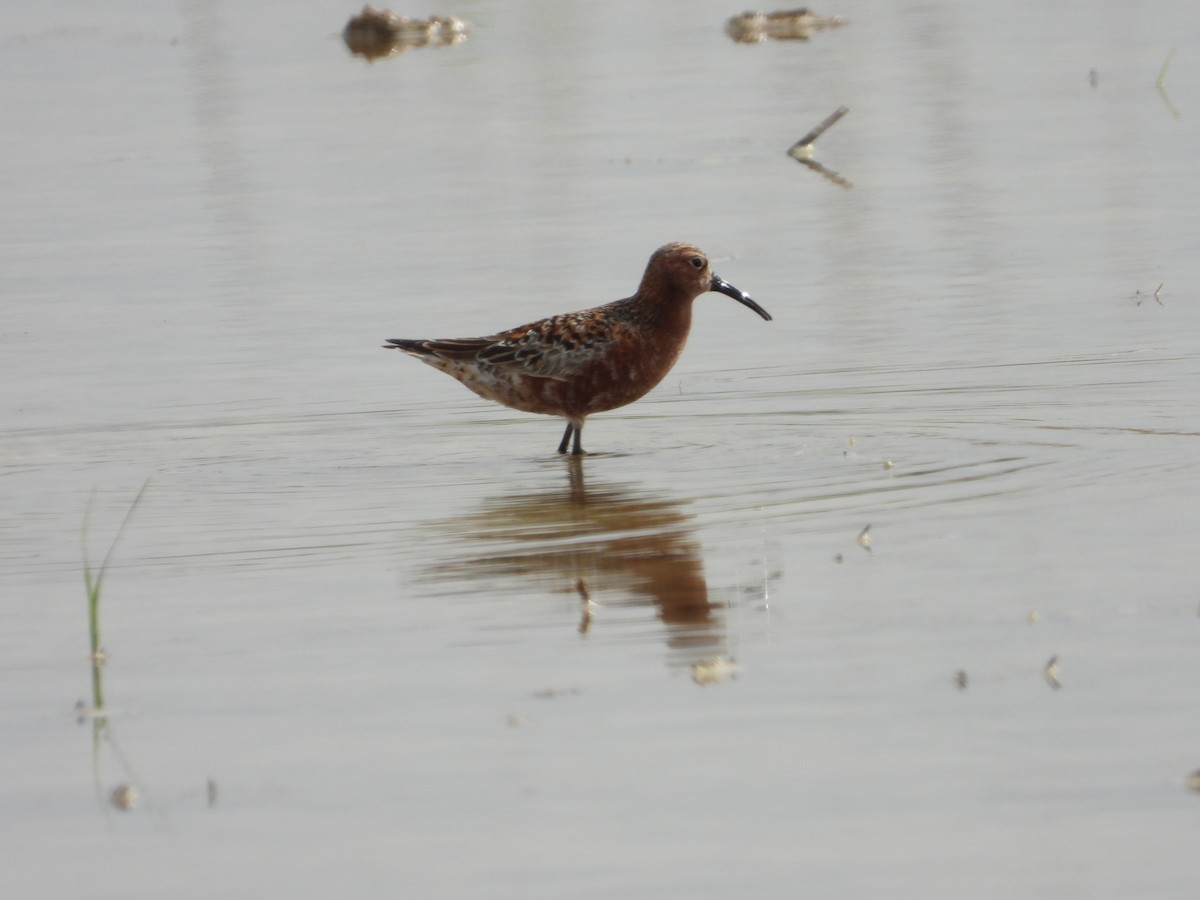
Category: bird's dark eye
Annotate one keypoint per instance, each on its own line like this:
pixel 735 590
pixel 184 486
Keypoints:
pixel 697 262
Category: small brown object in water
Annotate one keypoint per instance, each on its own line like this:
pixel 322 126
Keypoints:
pixel 376 33
pixel 782 25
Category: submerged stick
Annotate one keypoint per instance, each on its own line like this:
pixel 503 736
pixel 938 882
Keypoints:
pixel 802 150
pixel 1160 84
pixel 1162 73
pixel 827 173
pixel 809 139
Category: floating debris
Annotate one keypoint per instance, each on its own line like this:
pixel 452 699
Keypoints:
pixel 211 786
pixel 960 679
pixel 802 150
pixel 1193 780
pixel 1139 296
pixel 1162 73
pixel 1033 617
pixel 864 539
pixel 588 605
pixel 806 142
pixel 1160 84
pixel 888 465
pixel 782 25
pixel 515 720
pixel 829 174
pixel 554 693
pixel 124 797
pixel 376 33
pixel 1093 78
pixel 1050 673
pixel 713 669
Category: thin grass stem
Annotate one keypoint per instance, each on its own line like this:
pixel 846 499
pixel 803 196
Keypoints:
pixel 94 580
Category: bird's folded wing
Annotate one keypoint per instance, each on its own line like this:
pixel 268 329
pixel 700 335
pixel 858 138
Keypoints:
pixel 559 347
pixel 538 359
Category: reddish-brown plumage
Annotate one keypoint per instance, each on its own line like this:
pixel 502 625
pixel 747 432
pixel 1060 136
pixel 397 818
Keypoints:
pixel 579 363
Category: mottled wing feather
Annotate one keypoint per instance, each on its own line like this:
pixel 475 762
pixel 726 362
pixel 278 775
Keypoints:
pixel 559 347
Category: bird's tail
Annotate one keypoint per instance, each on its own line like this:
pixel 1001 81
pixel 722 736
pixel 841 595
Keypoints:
pixel 408 345
pixel 466 348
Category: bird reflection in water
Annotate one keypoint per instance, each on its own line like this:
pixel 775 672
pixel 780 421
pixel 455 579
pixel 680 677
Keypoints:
pixel 607 547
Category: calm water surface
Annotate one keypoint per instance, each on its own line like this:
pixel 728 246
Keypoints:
pixel 351 598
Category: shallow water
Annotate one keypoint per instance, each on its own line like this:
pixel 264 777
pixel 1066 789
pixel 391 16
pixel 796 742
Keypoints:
pixel 351 597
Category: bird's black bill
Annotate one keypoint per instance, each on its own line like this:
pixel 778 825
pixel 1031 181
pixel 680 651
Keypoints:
pixel 721 286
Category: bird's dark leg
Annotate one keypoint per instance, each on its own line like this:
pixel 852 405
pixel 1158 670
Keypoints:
pixel 562 447
pixel 577 450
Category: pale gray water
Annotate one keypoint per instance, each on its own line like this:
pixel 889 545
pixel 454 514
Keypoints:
pixel 349 596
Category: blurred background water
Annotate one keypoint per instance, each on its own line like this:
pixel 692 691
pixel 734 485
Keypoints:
pixel 352 597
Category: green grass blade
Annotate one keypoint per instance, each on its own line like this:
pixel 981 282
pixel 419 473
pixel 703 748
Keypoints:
pixel 93 580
